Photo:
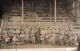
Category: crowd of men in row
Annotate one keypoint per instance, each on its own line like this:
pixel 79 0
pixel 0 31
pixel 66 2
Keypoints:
pixel 54 35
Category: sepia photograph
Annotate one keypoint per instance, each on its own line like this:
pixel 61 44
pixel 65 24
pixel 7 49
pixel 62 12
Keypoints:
pixel 39 24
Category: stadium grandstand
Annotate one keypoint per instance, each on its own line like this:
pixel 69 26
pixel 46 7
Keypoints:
pixel 40 22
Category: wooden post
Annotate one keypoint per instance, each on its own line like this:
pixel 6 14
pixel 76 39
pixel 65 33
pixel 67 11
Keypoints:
pixel 1 26
pixel 32 5
pixel 50 13
pixel 55 11
pixel 22 11
pixel 73 7
pixel 36 20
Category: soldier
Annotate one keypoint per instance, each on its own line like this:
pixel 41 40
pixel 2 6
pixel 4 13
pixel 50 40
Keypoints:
pixel 74 37
pixel 22 37
pixel 26 35
pixel 15 39
pixel 65 38
pixel 2 41
pixel 32 35
pixel 7 38
pixel 61 35
pixel 53 38
pixel 79 40
pixel 11 39
pixel 37 35
pixel 42 37
pixel 48 35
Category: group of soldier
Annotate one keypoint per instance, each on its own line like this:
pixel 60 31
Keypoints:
pixel 55 35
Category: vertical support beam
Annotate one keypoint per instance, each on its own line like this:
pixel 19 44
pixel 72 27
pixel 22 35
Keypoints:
pixel 1 25
pixel 36 20
pixel 73 7
pixel 75 10
pixel 50 12
pixel 55 11
pixel 22 11
pixel 63 19
pixel 32 5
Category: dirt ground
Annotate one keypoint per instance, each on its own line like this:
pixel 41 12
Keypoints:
pixel 28 46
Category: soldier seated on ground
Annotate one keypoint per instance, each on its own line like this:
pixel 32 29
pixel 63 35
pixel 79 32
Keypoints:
pixel 2 41
pixel 15 40
pixel 7 38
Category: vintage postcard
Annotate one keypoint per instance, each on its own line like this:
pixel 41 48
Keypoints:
pixel 37 24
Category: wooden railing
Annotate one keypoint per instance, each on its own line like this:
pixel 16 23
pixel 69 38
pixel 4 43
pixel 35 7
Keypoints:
pixel 40 19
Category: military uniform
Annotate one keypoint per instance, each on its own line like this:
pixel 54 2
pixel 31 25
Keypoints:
pixel 32 36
